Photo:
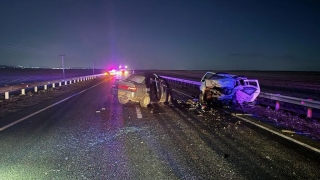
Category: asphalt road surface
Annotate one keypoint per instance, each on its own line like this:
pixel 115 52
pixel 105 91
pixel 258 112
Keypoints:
pixel 88 135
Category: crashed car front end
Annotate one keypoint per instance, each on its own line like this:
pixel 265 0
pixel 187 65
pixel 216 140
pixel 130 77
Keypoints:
pixel 227 89
pixel 219 90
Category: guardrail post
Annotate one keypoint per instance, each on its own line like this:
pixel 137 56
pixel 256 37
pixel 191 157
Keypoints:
pixel 53 85
pixel 277 105
pixel 309 111
pixel 65 83
pixel 59 83
pixel 70 82
pixel 6 95
pixel 36 89
pixel 23 92
pixel 45 87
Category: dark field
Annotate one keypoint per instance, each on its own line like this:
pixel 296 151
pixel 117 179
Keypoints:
pixel 14 76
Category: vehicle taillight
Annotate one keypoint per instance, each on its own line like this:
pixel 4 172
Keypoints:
pixel 128 88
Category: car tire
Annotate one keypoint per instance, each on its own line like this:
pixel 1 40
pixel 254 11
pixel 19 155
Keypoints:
pixel 145 101
pixel 123 100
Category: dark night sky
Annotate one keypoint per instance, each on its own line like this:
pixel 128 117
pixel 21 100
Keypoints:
pixel 147 34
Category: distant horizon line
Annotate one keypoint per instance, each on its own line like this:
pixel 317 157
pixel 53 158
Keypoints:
pixel 22 67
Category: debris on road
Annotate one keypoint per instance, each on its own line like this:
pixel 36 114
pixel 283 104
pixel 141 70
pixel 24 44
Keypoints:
pixel 280 119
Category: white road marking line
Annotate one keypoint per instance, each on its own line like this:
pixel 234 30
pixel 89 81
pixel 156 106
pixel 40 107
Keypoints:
pixel 139 114
pixel 37 112
pixel 274 132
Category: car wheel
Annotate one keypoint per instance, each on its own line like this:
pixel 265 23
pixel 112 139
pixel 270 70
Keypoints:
pixel 123 100
pixel 145 101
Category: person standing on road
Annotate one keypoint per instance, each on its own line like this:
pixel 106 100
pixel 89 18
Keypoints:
pixel 167 90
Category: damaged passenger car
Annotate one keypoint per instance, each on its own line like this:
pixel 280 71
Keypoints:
pixel 142 88
pixel 227 89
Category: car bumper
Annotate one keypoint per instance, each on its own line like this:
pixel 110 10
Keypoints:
pixel 125 94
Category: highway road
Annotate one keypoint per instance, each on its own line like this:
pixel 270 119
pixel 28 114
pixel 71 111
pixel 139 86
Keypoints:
pixel 87 134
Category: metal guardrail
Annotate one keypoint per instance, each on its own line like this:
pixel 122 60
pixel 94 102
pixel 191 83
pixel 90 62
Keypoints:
pixel 277 97
pixel 293 100
pixel 22 87
pixel 182 81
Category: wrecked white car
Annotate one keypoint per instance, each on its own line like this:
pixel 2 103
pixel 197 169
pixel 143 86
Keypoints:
pixel 227 89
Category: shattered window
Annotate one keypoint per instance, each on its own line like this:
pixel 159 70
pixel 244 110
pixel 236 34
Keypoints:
pixel 248 90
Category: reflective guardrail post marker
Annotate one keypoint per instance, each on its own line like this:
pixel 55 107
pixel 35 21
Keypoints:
pixel 23 92
pixel 65 83
pixel 59 83
pixel 45 87
pixel 53 85
pixel 309 112
pixel 277 105
pixel 36 89
pixel 6 95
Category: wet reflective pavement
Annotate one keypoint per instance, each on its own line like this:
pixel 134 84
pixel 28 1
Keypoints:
pixel 92 136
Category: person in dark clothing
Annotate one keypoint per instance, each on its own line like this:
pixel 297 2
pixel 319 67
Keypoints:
pixel 167 90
